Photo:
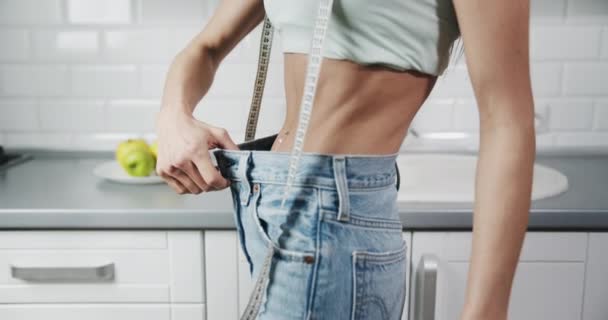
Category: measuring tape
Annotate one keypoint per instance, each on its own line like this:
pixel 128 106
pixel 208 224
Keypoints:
pixel 260 79
pixel 310 86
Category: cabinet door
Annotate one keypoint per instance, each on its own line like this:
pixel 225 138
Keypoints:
pixel 221 274
pixel 548 283
pixel 85 311
pixel 95 266
pixel 596 280
pixel 245 280
pixel 102 311
pixel 186 311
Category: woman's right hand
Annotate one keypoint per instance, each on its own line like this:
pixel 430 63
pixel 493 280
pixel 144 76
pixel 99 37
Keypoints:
pixel 183 152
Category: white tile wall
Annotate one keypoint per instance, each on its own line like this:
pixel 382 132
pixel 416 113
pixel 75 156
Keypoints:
pixel 546 78
pixel 586 78
pixel 153 80
pixel 85 74
pixel 105 81
pixel 436 115
pixel 19 12
pixel 466 116
pixel 33 80
pixel 454 83
pixel 99 11
pixel 601 116
pixel 571 115
pixel 605 42
pixel 140 45
pixel 565 42
pixel 38 139
pixel 174 11
pixel 585 11
pixel 547 10
pixel 132 116
pixel 65 45
pixel 15 44
pixel 71 116
pixel 19 115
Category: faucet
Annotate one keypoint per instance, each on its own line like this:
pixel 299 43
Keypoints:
pixel 413 132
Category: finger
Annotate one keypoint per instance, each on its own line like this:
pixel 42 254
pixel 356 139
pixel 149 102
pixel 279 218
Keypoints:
pixel 174 184
pixel 223 138
pixel 212 176
pixel 190 169
pixel 183 178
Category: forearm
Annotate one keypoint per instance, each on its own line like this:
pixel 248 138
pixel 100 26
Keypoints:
pixel 189 78
pixel 503 188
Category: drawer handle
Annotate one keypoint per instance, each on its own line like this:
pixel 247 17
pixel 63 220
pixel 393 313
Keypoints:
pixel 58 274
pixel 426 287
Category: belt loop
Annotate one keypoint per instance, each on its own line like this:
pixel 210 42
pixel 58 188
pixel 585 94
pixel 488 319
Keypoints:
pixel 242 173
pixel 339 164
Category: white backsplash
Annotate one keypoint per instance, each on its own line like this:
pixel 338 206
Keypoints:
pixel 85 74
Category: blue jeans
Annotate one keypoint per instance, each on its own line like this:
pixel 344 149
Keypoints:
pixel 335 250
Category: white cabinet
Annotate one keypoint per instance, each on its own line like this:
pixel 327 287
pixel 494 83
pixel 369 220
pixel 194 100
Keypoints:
pixel 221 275
pixel 102 312
pixel 548 283
pixel 89 312
pixel 596 282
pixel 245 280
pixel 196 275
pixel 101 274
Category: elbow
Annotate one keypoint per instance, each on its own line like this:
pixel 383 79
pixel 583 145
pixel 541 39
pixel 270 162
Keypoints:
pixel 198 56
pixel 508 122
pixel 511 110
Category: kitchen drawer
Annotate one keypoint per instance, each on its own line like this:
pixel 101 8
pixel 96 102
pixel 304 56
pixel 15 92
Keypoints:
pixel 103 312
pixel 101 266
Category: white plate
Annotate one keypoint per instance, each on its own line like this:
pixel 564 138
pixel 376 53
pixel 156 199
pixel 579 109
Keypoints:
pixel 111 170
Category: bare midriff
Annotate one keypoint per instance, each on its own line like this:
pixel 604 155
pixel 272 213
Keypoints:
pixel 357 109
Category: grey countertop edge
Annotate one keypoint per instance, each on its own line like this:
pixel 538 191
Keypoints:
pixel 415 220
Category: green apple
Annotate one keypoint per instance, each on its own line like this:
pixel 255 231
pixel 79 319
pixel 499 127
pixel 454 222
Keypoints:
pixel 126 146
pixel 139 162
pixel 154 148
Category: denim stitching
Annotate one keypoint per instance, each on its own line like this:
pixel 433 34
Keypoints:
pixel 317 256
pixel 285 254
pixel 360 258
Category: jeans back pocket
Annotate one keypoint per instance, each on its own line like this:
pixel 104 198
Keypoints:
pixel 379 284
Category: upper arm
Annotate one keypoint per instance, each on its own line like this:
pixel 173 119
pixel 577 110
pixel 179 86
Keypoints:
pixel 231 21
pixel 495 35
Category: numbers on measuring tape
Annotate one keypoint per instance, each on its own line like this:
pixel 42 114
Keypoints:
pixel 260 79
pixel 310 87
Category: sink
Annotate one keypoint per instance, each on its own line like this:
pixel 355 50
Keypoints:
pixel 451 178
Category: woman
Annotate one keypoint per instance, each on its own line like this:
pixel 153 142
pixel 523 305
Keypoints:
pixel 333 248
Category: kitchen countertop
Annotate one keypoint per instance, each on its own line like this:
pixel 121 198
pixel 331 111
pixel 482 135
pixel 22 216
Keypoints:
pixel 57 190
